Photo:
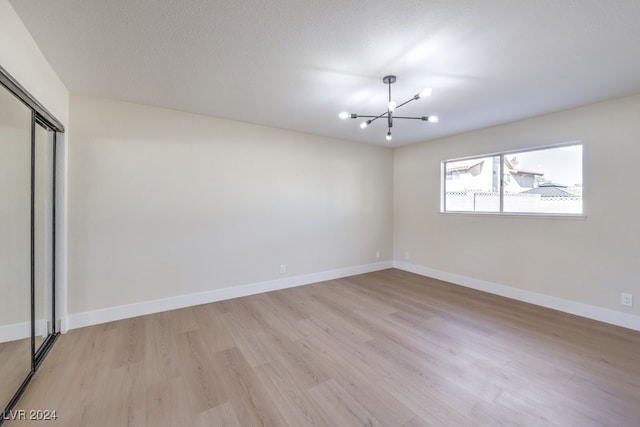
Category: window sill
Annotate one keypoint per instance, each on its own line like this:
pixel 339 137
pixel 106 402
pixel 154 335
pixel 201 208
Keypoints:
pixel 581 217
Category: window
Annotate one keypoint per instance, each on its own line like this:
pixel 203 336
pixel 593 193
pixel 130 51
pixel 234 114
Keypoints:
pixel 545 180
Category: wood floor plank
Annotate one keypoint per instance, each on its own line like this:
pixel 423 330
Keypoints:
pixel 204 379
pixel 16 364
pixel 249 340
pixel 222 415
pixel 361 380
pixel 344 409
pixel 272 320
pixel 212 329
pixel 387 348
pixel 250 398
pixel 290 398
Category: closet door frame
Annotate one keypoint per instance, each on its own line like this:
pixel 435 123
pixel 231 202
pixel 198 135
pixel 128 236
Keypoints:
pixel 38 354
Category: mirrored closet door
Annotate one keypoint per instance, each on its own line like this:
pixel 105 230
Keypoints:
pixel 15 244
pixel 28 323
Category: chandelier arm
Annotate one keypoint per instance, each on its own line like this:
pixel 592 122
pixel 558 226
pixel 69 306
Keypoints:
pixel 406 102
pixel 374 118
pixel 405 117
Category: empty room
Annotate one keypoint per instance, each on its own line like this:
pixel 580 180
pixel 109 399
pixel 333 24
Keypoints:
pixel 336 213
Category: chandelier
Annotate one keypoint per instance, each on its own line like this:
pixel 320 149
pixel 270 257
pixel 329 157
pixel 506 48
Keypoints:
pixel 391 107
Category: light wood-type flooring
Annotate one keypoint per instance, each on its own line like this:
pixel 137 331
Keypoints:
pixel 381 349
pixel 15 365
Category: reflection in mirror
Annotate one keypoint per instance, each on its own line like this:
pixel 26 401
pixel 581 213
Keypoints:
pixel 43 233
pixel 15 238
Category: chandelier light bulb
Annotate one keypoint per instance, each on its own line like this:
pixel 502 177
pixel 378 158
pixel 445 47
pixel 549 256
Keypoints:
pixel 344 115
pixel 389 136
pixel 364 125
pixel 433 119
pixel 392 105
pixel 425 92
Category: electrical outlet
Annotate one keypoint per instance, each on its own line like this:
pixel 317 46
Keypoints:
pixel 283 268
pixel 626 299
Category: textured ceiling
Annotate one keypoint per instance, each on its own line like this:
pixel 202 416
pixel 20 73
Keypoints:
pixel 295 64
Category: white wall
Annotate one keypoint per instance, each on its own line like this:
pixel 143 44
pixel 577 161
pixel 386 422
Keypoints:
pixel 22 58
pixel 589 261
pixel 164 203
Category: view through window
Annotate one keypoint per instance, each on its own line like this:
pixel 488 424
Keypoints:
pixel 544 180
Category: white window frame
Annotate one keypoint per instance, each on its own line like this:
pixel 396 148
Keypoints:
pixel 502 155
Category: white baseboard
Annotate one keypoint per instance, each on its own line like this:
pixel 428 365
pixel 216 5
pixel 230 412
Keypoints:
pixel 20 331
pixel 95 317
pixel 42 328
pixel 613 317
pixel 16 331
